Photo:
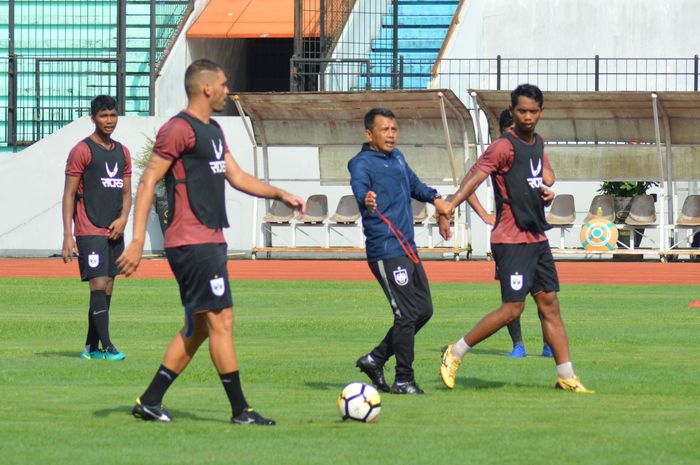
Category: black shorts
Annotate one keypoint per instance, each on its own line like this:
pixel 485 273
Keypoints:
pixel 97 256
pixel 201 273
pixel 524 269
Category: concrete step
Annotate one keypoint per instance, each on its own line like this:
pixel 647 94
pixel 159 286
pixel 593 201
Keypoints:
pixel 413 33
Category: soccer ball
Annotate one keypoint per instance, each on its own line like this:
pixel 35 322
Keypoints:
pixel 359 402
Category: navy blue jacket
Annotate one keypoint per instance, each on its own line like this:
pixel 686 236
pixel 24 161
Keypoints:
pixel 390 177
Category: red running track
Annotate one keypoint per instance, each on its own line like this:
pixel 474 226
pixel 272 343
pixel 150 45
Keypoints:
pixel 594 272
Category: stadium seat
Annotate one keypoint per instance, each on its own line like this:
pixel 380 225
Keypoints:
pixel 688 219
pixel 316 214
pixel 347 213
pixel 642 215
pixel 420 211
pixel 562 214
pixel 607 206
pixel 278 215
pixel 642 211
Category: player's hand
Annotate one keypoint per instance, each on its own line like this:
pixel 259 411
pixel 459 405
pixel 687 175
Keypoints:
pixel 129 261
pixel 371 201
pixel 547 196
pixel 116 229
pixel 489 218
pixel 443 208
pixel 292 201
pixel 68 249
pixel 444 226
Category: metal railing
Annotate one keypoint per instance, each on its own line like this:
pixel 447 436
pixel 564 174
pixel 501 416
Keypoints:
pixel 58 55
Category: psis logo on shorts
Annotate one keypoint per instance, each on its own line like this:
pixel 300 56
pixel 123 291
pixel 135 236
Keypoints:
pixel 217 285
pixel 516 281
pixel 93 260
pixel 401 276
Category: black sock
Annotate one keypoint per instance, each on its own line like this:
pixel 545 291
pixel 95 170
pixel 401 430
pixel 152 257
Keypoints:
pixel 92 341
pixel 515 332
pixel 98 311
pixel 156 390
pixel 108 299
pixel 232 386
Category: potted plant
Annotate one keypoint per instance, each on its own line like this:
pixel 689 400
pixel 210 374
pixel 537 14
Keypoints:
pixel 161 194
pixel 623 192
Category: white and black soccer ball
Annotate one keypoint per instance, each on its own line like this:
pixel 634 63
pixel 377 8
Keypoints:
pixel 359 402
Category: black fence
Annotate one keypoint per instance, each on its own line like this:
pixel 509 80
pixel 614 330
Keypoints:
pixel 59 54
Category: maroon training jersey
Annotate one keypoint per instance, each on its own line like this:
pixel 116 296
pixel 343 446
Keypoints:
pixel 175 138
pixel 497 159
pixel 79 158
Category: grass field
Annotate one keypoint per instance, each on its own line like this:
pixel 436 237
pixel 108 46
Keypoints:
pixel 637 346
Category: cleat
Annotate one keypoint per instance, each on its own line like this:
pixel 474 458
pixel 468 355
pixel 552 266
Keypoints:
pixel 409 387
pixel 113 354
pixel 448 368
pixel 374 371
pixel 547 351
pixel 572 384
pixel 94 355
pixel 150 412
pixel 251 417
pixel 518 351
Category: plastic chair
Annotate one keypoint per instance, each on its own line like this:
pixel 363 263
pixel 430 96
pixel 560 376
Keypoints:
pixel 279 213
pixel 316 214
pixel 347 211
pixel 690 212
pixel 607 206
pixel 420 211
pixel 562 214
pixel 316 209
pixel 642 211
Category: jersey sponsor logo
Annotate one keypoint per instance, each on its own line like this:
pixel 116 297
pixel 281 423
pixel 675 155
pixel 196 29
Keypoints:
pixel 218 151
pixel 217 167
pixel 516 281
pixel 401 276
pixel 111 181
pixel 93 260
pixel 535 181
pixel 218 286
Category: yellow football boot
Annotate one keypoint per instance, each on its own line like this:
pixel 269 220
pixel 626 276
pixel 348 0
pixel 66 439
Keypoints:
pixel 572 384
pixel 449 366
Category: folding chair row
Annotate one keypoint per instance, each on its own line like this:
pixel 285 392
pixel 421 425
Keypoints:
pixel 346 212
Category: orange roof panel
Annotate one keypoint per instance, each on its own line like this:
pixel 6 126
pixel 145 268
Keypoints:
pixel 237 19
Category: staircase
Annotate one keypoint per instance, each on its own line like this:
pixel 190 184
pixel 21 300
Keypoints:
pixel 422 27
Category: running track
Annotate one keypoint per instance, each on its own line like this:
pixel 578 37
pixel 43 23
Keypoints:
pixel 593 272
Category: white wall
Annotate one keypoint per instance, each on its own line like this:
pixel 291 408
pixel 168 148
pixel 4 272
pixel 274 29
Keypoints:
pixel 581 28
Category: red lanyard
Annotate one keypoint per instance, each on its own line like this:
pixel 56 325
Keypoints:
pixel 403 242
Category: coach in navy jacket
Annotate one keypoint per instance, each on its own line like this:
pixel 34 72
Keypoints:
pixel 383 183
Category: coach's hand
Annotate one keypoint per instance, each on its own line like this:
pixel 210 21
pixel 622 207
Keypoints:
pixel 443 208
pixel 129 261
pixel 371 201
pixel 68 248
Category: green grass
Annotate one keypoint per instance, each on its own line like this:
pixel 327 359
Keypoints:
pixel 637 346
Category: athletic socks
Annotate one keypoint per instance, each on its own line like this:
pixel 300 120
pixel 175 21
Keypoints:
pixel 460 348
pixel 565 370
pixel 156 390
pixel 232 386
pixel 100 317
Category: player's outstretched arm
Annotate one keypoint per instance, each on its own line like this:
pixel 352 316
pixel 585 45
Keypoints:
pixel 69 190
pixel 154 172
pixel 244 182
pixel 470 182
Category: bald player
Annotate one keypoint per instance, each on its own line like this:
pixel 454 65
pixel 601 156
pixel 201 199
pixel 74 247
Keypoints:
pixel 191 152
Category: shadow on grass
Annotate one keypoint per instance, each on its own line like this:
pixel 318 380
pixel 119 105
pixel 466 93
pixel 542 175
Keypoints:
pixel 176 414
pixel 476 383
pixel 321 386
pixel 62 353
